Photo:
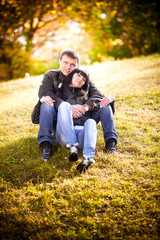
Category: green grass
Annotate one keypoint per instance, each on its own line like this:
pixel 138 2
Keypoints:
pixel 118 197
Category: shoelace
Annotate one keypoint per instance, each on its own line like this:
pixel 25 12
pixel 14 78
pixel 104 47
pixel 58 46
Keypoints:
pixel 70 146
pixel 85 160
pixel 73 149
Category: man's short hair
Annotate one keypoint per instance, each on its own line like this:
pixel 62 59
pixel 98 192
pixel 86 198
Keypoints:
pixel 70 52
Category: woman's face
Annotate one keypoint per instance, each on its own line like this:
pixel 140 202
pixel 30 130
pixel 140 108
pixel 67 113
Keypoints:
pixel 77 80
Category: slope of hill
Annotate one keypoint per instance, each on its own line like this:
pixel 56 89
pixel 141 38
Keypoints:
pixel 118 197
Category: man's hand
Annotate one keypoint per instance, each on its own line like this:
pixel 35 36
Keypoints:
pixel 105 101
pixel 78 110
pixel 48 100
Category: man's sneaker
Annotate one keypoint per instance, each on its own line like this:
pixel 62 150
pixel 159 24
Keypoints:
pixel 47 153
pixel 110 146
pixel 73 152
pixel 86 162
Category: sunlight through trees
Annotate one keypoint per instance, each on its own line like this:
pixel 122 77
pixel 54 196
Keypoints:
pixel 118 29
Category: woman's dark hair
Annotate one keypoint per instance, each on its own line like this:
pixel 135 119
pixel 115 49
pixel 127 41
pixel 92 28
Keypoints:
pixel 78 92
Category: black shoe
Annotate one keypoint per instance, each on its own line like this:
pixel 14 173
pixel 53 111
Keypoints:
pixel 110 146
pixel 73 152
pixel 47 153
pixel 73 156
pixel 86 162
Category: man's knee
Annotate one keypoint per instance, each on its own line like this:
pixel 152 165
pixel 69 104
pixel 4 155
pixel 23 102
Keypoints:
pixel 107 108
pixel 107 111
pixel 46 108
pixel 47 111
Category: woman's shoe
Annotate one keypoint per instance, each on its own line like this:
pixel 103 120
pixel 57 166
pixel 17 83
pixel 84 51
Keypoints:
pixel 86 162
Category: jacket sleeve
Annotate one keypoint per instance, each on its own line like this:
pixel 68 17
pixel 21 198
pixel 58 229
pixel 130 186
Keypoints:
pixel 94 96
pixel 35 114
pixel 49 87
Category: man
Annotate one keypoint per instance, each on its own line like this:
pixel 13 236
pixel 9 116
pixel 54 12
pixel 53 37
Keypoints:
pixel 45 113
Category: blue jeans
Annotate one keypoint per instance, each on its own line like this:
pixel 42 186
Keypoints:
pixel 67 133
pixel 47 123
pixel 48 118
pixel 105 115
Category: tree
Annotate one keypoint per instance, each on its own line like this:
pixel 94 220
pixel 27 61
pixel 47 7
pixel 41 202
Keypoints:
pixel 135 23
pixel 19 20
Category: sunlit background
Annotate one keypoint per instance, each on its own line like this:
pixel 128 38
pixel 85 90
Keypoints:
pixel 33 33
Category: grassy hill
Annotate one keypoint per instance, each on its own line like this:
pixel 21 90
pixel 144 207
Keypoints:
pixel 118 197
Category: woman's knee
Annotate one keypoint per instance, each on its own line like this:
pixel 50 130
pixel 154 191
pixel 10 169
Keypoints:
pixel 91 122
pixel 64 105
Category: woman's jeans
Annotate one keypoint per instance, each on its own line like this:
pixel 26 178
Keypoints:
pixel 67 133
pixel 48 118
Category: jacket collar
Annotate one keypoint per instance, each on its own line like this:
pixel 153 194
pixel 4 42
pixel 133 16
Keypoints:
pixel 61 76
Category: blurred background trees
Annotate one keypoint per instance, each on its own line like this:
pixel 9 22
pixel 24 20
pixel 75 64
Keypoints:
pixel 33 32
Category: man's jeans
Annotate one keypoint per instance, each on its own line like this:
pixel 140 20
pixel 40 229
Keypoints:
pixel 47 123
pixel 105 115
pixel 67 133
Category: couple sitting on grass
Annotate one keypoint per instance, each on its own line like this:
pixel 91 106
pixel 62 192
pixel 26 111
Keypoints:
pixel 72 106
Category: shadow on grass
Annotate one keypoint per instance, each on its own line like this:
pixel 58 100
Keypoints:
pixel 20 163
pixel 13 228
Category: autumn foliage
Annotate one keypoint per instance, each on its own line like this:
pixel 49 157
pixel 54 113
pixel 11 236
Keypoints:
pixel 119 29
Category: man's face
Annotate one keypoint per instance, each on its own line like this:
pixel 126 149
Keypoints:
pixel 67 64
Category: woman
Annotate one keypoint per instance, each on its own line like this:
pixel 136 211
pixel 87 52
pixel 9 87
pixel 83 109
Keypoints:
pixel 76 132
